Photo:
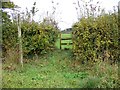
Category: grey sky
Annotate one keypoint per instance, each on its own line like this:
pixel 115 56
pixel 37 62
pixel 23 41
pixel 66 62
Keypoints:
pixel 65 13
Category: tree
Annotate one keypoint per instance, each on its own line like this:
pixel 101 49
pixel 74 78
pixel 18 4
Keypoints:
pixel 34 10
pixel 87 8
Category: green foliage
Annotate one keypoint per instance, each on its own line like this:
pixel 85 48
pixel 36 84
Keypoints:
pixel 80 75
pixel 9 29
pixel 8 5
pixel 38 38
pixel 96 38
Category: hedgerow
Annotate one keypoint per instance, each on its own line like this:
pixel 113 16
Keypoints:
pixel 96 38
pixel 38 38
pixel 9 36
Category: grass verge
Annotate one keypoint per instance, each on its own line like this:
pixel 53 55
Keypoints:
pixel 58 70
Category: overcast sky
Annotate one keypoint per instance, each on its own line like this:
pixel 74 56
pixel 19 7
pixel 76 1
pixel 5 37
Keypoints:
pixel 65 14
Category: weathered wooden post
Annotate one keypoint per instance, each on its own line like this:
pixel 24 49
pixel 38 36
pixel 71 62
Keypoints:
pixel 20 41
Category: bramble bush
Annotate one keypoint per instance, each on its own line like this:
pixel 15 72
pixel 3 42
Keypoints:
pixel 96 38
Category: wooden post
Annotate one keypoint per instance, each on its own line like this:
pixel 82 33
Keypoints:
pixel 20 41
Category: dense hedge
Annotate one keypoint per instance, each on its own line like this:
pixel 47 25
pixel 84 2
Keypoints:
pixel 37 38
pixel 9 35
pixel 96 38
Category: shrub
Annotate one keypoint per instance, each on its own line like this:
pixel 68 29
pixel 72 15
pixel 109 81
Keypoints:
pixel 38 38
pixel 9 36
pixel 96 38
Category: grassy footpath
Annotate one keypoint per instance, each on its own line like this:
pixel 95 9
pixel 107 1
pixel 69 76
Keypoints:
pixel 58 70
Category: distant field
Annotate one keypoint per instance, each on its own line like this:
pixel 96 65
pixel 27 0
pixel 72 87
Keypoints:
pixel 66 46
pixel 66 41
pixel 64 36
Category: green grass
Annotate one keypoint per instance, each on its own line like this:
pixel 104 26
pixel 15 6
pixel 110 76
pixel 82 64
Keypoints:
pixel 66 41
pixel 66 46
pixel 66 35
pixel 57 44
pixel 58 69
